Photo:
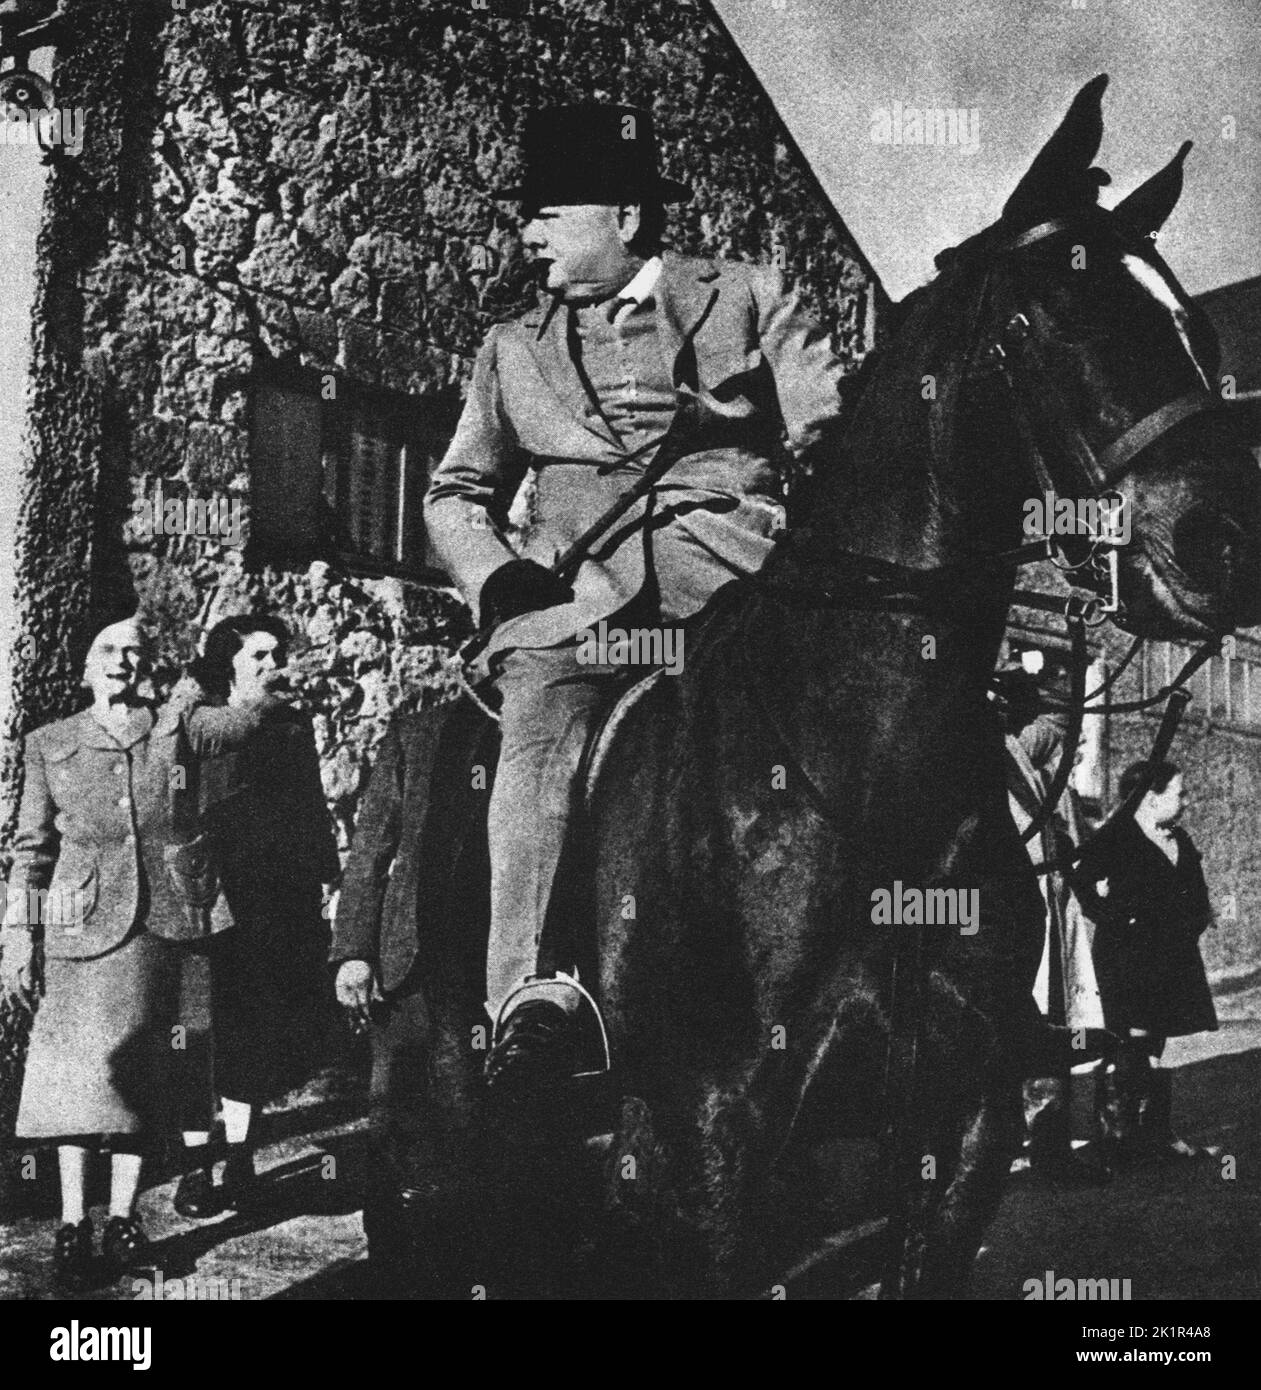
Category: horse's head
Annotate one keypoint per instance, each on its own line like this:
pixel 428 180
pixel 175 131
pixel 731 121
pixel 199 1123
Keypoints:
pixel 1108 372
pixel 1056 350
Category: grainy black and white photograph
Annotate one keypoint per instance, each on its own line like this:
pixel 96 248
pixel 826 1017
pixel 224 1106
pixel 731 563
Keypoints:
pixel 630 662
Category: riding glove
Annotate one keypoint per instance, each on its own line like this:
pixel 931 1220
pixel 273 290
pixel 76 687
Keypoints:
pixel 520 586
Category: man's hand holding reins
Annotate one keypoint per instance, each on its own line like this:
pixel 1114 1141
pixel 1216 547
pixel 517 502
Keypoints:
pixel 520 586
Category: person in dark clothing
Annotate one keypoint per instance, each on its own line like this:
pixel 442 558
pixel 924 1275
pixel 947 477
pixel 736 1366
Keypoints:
pixel 405 883
pixel 264 805
pixel 1065 988
pixel 1142 882
pixel 375 940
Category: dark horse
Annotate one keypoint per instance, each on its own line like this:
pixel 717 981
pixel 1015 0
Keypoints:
pixel 830 737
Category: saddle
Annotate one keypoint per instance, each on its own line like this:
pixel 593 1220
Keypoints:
pixel 595 755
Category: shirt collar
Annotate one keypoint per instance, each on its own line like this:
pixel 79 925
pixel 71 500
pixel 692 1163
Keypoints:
pixel 642 283
pixel 637 291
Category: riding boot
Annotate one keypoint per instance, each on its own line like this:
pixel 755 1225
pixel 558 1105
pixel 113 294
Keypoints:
pixel 1155 1121
pixel 1119 1094
pixel 1047 1103
pixel 1046 1120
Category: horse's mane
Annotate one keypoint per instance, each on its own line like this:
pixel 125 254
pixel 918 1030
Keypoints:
pixel 899 433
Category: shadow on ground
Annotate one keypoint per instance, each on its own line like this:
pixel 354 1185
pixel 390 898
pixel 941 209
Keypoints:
pixel 1176 1231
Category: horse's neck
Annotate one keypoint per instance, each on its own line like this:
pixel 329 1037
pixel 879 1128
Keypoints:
pixel 881 501
pixel 887 707
pixel 885 711
pixel 923 476
pixel 888 704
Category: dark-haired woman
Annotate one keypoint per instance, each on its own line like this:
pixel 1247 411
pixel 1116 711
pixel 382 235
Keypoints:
pixel 1142 882
pixel 265 807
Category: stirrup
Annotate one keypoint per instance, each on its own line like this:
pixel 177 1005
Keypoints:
pixel 561 977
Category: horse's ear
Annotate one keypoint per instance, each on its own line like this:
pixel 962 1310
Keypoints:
pixel 1151 203
pixel 1061 175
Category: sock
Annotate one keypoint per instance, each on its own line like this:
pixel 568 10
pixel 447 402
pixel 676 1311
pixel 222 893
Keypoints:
pixel 236 1120
pixel 197 1145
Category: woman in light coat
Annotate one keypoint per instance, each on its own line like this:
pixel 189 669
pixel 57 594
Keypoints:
pixel 119 1046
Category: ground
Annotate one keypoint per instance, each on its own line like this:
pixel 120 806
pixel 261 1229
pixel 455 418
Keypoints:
pixel 1174 1232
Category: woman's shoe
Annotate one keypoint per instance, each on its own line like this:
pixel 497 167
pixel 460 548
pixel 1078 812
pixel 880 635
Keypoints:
pixel 1155 1122
pixel 195 1197
pixel 240 1181
pixel 124 1245
pixel 72 1255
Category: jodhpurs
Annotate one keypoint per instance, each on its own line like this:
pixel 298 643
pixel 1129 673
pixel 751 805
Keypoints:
pixel 550 703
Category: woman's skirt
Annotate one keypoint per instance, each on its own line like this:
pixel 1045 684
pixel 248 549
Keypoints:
pixel 121 1044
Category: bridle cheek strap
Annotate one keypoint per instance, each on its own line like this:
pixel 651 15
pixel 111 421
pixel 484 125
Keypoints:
pixel 1015 354
pixel 1035 396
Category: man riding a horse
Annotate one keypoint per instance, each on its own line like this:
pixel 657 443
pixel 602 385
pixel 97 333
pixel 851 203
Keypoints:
pixel 630 346
pixel 784 1062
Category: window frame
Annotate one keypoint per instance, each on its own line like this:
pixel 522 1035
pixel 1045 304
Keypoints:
pixel 1212 689
pixel 421 423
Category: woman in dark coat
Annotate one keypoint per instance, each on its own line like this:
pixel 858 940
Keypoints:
pixel 265 808
pixel 1142 882
pixel 93 871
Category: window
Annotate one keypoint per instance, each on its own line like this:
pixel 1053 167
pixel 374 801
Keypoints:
pixel 1227 689
pixel 338 471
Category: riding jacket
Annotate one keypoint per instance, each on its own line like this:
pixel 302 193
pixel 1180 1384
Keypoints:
pixel 547 395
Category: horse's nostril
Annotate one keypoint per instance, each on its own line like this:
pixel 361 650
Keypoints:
pixel 1208 548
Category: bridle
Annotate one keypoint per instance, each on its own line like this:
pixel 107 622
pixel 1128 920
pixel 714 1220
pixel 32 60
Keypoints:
pixel 1043 421
pixel 1034 398
pixel 1045 425
pixel 1042 417
pixel 1015 355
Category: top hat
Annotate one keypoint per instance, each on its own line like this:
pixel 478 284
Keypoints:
pixel 591 153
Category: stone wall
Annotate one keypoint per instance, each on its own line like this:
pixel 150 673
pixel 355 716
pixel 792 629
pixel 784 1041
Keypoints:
pixel 308 183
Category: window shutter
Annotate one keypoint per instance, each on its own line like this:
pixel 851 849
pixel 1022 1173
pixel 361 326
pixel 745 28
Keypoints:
pixel 285 473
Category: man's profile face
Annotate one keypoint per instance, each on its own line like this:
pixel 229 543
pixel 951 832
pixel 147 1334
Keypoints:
pixel 583 244
pixel 1167 806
